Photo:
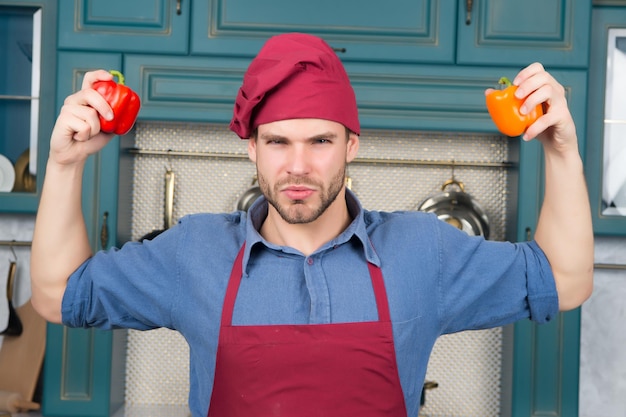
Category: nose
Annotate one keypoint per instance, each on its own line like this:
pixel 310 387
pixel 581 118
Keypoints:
pixel 299 161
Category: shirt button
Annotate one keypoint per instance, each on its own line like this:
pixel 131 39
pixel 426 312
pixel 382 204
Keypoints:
pixel 309 261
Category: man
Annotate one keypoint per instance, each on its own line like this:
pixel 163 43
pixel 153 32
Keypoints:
pixel 309 304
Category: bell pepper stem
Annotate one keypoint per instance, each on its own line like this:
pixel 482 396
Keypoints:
pixel 120 77
pixel 504 82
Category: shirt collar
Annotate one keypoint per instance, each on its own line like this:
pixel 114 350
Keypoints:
pixel 357 229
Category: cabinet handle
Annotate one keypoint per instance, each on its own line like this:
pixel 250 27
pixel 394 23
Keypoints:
pixel 468 7
pixel 179 7
pixel 104 230
pixel 340 50
pixel 528 234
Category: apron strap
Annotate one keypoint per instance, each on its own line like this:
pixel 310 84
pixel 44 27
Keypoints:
pixel 379 292
pixel 233 288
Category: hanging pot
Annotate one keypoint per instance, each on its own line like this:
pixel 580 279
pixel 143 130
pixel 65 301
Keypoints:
pixel 459 209
pixel 428 385
pixel 168 217
pixel 249 196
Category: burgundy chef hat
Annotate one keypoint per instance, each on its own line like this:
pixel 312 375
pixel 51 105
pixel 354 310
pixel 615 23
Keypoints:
pixel 295 75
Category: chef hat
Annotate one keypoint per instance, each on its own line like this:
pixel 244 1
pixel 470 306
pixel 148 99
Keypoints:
pixel 294 76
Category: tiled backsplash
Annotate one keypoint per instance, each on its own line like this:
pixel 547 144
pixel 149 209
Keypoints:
pixel 157 362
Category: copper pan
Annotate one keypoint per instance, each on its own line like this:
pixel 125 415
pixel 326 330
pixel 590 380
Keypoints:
pixel 24 180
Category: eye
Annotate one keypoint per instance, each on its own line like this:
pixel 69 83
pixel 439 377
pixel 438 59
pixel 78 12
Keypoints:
pixel 275 141
pixel 322 140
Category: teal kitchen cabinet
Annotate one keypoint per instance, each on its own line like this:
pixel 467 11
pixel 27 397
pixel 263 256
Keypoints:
pixel 487 32
pixel 390 96
pixel 606 148
pixel 190 89
pixel 496 32
pixel 513 32
pixel 27 86
pixel 359 30
pixel 84 368
pixel 157 26
pixel 409 30
pixel 383 52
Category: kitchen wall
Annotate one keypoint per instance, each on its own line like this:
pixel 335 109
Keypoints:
pixel 603 336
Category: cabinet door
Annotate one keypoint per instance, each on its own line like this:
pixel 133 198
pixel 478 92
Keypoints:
pixel 398 30
pixel 27 86
pixel 606 149
pixel 124 26
pixel 191 89
pixel 513 32
pixel 83 373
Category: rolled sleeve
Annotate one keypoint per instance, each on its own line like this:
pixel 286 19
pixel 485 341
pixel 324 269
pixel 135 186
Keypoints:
pixel 543 298
pixel 73 304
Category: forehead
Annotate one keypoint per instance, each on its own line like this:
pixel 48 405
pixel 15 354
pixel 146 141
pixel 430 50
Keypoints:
pixel 294 128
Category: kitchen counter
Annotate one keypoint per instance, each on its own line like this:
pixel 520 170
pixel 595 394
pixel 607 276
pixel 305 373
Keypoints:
pixel 150 410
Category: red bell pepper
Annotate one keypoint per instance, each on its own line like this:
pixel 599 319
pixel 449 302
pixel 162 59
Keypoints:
pixel 124 102
pixel 504 109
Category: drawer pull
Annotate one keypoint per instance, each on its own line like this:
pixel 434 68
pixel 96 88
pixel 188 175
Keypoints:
pixel 468 7
pixel 104 230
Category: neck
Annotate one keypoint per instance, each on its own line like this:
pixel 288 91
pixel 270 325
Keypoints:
pixel 307 237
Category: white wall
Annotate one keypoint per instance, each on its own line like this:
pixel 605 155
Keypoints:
pixel 603 336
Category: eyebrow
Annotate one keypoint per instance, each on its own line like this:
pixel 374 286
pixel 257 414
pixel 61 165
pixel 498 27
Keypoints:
pixel 325 135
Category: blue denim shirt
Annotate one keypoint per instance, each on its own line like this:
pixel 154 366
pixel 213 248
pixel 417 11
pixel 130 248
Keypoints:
pixel 438 281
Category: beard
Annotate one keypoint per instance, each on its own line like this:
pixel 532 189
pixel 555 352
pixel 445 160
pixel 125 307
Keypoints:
pixel 299 211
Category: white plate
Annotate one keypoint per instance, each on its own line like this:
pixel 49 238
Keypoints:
pixel 7 174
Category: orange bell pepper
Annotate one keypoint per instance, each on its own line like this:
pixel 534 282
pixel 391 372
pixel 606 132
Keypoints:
pixel 124 102
pixel 504 109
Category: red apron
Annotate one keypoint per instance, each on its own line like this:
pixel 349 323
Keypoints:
pixel 343 370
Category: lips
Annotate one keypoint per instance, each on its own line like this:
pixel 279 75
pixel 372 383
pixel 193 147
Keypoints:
pixel 298 192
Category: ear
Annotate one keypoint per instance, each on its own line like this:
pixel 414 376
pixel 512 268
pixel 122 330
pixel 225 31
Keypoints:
pixel 252 149
pixel 352 147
